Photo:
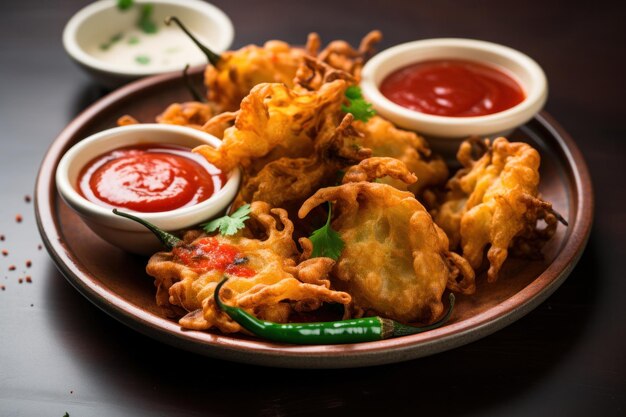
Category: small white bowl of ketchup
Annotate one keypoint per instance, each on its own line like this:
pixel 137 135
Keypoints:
pixel 448 89
pixel 147 170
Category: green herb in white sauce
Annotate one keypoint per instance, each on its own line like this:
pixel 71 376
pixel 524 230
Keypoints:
pixel 145 21
pixel 142 59
pixel 114 39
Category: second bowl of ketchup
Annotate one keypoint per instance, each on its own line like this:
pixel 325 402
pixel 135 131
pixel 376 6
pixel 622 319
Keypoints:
pixel 148 170
pixel 451 88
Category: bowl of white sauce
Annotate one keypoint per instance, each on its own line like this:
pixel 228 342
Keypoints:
pixel 117 41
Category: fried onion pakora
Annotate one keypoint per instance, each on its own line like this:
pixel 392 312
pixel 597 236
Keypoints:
pixel 386 140
pixel 395 261
pixel 191 113
pixel 268 276
pixel 493 201
pixel 237 72
pixel 274 121
pixel 289 142
pixel 291 180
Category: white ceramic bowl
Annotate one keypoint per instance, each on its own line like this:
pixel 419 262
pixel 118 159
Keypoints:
pixel 445 133
pixel 101 20
pixel 122 232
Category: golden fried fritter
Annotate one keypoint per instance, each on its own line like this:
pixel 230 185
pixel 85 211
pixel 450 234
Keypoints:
pixel 395 260
pixel 493 201
pixel 275 121
pixel 289 142
pixel 340 55
pixel 192 113
pixel 384 139
pixel 292 180
pixel 239 71
pixel 268 276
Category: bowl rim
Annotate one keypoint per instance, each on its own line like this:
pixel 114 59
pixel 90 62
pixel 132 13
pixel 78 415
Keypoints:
pixel 77 53
pixel 536 91
pixel 180 215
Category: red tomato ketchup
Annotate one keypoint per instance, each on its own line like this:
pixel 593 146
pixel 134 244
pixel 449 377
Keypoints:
pixel 451 87
pixel 207 254
pixel 149 178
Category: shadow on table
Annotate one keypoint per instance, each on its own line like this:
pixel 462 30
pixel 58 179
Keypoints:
pixel 478 377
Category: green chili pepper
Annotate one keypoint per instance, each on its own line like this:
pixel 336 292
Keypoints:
pixel 192 90
pixel 168 239
pixel 334 332
pixel 211 56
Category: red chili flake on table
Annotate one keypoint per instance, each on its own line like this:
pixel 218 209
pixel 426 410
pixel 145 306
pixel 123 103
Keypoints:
pixel 5 252
pixel 20 280
pixel 29 263
pixel 29 279
pixel 2 287
pixel 18 218
pixel 39 247
pixel 11 267
pixel 27 198
pixel 2 238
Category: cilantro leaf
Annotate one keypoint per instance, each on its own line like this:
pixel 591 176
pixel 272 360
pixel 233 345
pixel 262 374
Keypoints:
pixel 326 241
pixel 229 225
pixel 142 59
pixel 358 106
pixel 145 22
pixel 124 4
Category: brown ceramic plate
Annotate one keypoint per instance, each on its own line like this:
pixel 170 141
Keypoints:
pixel 116 282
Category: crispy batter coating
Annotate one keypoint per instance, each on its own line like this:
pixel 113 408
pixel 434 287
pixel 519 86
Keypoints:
pixel 339 54
pixel 277 62
pixel 266 278
pixel 493 201
pixel 274 119
pixel 292 180
pixel 384 139
pixel 191 113
pixel 239 71
pixel 395 261
pixel 289 142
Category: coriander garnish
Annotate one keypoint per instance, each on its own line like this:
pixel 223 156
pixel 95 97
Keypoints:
pixel 142 59
pixel 229 225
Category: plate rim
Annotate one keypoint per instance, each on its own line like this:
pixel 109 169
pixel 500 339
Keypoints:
pixel 312 356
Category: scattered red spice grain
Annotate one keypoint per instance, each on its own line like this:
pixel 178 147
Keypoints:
pixel 18 218
pixel 20 280
pixel 27 198
pixel 29 263
pixel 3 287
pixel 5 252
pixel 29 279
pixel 11 267
pixel 2 238
pixel 39 247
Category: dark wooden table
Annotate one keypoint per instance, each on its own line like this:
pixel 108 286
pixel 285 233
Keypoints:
pixel 59 353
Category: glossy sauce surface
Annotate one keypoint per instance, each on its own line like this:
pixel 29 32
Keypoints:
pixel 450 87
pixel 149 178
pixel 207 254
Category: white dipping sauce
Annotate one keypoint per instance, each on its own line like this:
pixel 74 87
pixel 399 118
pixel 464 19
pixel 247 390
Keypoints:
pixel 168 47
